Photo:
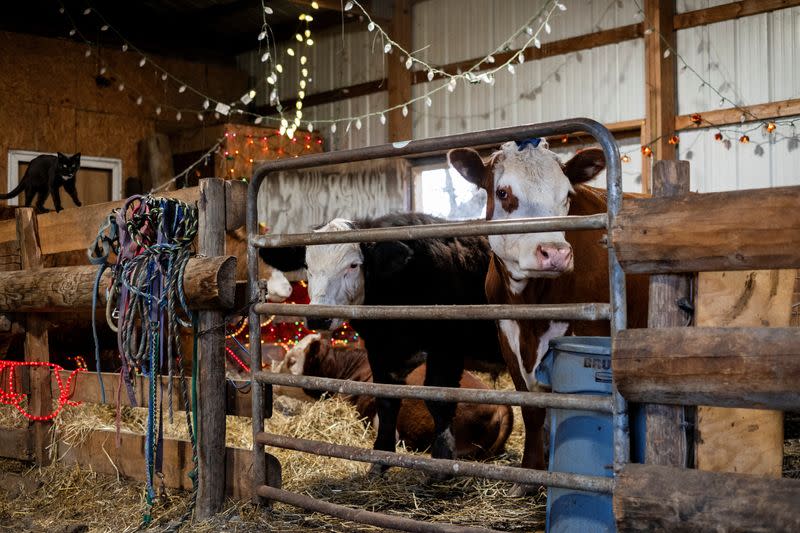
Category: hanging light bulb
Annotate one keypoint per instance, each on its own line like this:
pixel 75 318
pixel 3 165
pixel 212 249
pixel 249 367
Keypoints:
pixel 290 51
pixel 370 26
pixel 771 127
pixel 647 151
pixel 537 43
pixel 125 47
pixel 302 84
pixel 298 37
pixel 178 116
pixel 104 27
pixel 358 123
pixel 387 48
pixel 310 42
pixel 284 123
pixel 409 63
pixel 158 110
pixel 547 27
pixel 428 101
pixel 626 158
pixel 262 35
pixel 72 32
pixel 88 52
pixel 333 128
pixel 206 103
pixel 430 75
pixel 87 10
pixel 102 70
pixel 182 89
pixel 451 85
pixel 744 139
pixel 383 118
pixel 307 33
pixel 200 117
pixel 139 100
pixel 718 136
pixel 304 72
pixel 268 10
pixel 265 57
pixel 121 86
pixel 511 68
pixel 490 59
pixel 405 110
pixel 303 60
pixel 310 127
pixel 279 68
pixel 164 77
pixel 348 6
pixel 142 62
pixel 301 94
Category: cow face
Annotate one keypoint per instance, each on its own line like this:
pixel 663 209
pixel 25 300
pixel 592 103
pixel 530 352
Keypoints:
pixel 335 275
pixel 528 181
pixel 302 356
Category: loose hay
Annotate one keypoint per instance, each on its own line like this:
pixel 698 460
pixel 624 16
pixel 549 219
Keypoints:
pixel 104 503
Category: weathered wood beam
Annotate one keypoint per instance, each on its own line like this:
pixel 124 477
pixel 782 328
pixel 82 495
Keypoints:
pixel 665 442
pixel 100 453
pixel 730 11
pixel 209 283
pixel 211 354
pixel 398 76
pixel 16 443
pixel 663 498
pixel 735 230
pixel 87 389
pixel 725 367
pixel 733 115
pixel 660 75
pixel 37 346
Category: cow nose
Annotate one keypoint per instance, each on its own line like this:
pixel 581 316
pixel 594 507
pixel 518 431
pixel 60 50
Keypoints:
pixel 319 323
pixel 554 257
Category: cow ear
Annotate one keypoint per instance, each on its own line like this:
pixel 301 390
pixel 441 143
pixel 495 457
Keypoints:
pixel 585 165
pixel 388 258
pixel 312 352
pixel 284 259
pixel 469 164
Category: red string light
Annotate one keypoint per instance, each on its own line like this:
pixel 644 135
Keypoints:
pixel 10 397
pixel 236 358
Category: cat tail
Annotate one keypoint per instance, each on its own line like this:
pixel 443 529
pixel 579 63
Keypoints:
pixel 17 190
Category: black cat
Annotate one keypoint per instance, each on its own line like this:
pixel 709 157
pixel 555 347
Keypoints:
pixel 46 174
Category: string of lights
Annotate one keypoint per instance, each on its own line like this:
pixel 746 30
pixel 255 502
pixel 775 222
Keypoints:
pixel 724 134
pixel 488 76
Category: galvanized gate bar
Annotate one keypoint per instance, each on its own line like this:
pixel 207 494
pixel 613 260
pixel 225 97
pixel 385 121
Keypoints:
pixel 585 402
pixel 262 397
pixel 525 476
pixel 428 231
pixel 590 311
pixel 382 520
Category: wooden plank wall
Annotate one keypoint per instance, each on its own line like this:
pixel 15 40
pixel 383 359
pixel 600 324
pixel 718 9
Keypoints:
pixel 742 440
pixel 297 201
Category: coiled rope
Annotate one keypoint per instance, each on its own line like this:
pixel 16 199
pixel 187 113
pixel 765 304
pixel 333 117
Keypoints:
pixel 152 239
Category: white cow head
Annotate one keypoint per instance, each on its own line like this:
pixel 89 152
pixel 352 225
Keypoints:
pixel 335 274
pixel 528 180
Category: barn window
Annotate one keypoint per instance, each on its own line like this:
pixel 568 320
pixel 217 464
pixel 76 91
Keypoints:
pixel 442 192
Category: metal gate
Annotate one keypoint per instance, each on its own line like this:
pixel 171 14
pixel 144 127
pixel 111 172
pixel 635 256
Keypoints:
pixel 263 381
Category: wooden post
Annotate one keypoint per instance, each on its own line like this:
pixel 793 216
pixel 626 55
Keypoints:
pixel 665 434
pixel 742 440
pixel 660 83
pixel 36 343
pixel 211 382
pixel 399 77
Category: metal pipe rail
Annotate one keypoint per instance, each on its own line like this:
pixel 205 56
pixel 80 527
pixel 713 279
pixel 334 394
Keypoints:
pixel 361 516
pixel 525 476
pixel 428 231
pixel 590 311
pixel 584 402
pixel 615 311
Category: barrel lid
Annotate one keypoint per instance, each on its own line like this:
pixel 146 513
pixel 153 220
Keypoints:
pixel 582 345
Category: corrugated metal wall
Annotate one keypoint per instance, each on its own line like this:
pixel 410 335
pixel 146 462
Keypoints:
pixel 757 57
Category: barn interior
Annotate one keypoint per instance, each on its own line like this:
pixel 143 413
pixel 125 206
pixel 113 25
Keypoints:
pixel 157 95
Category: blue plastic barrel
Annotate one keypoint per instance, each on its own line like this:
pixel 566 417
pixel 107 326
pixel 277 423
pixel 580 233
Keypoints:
pixel 581 442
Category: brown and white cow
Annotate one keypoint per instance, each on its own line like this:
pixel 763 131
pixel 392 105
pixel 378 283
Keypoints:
pixel 480 430
pixel 542 268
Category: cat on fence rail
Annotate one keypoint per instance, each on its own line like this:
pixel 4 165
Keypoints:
pixel 46 175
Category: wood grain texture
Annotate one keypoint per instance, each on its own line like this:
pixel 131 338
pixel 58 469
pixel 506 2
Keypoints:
pixel 665 440
pixel 37 349
pixel 663 498
pixel 398 76
pixel 729 11
pixel 758 298
pixel 737 367
pixel 211 364
pixel 297 201
pixel 209 282
pixel 733 115
pixel 736 230
pixel 660 74
pixel 16 443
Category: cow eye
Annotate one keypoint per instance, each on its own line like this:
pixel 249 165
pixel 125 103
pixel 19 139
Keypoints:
pixel 354 265
pixel 502 194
